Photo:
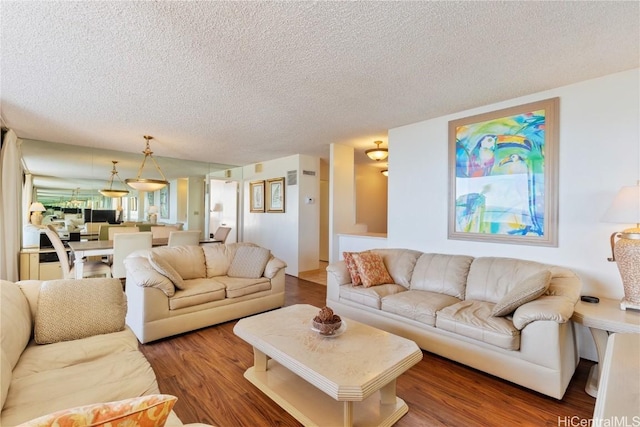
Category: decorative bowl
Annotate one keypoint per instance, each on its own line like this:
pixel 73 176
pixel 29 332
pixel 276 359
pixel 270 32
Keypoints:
pixel 326 328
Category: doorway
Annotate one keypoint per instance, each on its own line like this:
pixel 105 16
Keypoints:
pixel 223 211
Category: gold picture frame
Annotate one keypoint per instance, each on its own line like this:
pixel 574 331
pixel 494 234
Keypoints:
pixel 275 195
pixel 256 196
pixel 503 175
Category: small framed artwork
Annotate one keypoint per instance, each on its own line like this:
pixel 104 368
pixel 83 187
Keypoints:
pixel 164 202
pixel 256 193
pixel 275 195
pixel 503 169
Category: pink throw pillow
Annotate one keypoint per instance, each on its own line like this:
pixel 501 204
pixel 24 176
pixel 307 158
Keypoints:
pixel 371 269
pixel 352 268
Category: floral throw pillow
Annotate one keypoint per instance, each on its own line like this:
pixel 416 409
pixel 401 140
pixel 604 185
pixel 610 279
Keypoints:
pixel 371 269
pixel 352 268
pixel 144 411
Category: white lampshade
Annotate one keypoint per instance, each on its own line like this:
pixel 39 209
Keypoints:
pixel 36 207
pixel 153 209
pixel 625 208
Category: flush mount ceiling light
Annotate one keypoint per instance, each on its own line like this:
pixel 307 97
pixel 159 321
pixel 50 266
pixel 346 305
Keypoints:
pixel 377 153
pixel 144 184
pixel 111 192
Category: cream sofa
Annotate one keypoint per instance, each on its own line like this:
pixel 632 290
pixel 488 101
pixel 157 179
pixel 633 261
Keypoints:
pixel 171 290
pixel 94 367
pixel 444 303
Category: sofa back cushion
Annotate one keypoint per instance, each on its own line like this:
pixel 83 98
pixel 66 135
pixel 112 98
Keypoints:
pixel 491 278
pixel 249 262
pixel 70 309
pixel 188 261
pixel 15 318
pixel 444 274
pixel 218 259
pixel 400 263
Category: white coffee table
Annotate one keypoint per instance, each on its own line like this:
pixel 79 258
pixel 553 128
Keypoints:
pixel 345 380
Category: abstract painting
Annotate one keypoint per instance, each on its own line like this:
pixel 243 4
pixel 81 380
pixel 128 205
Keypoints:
pixel 503 175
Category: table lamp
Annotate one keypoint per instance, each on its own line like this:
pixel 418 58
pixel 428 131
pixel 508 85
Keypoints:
pixel 36 210
pixel 625 209
pixel 153 214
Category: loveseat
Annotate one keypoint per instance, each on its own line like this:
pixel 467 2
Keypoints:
pixel 171 290
pixel 64 345
pixel 507 317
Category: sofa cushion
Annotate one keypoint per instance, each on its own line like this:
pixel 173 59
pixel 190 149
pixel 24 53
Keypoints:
pixel 39 358
pixel 371 296
pixel 371 269
pixel 188 261
pixel 165 269
pixel 352 268
pixel 196 292
pixel 142 273
pixel 73 309
pixel 420 306
pixel 240 286
pixel 473 319
pixel 444 274
pixel 113 377
pixel 249 262
pixel 491 278
pixel 218 259
pixel 149 411
pixel 400 263
pixel 526 290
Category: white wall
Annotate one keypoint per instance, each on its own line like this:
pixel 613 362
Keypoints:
pixel 292 235
pixel 599 153
pixel 342 213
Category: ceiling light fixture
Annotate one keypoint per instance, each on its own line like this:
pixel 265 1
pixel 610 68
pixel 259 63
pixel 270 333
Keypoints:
pixel 143 184
pixel 111 192
pixel 377 153
pixel 385 172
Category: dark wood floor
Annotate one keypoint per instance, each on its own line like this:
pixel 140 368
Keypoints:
pixel 204 370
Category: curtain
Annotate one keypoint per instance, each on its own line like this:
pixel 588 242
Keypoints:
pixel 10 206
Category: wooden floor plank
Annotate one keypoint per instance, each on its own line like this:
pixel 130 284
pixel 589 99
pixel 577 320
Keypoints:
pixel 205 368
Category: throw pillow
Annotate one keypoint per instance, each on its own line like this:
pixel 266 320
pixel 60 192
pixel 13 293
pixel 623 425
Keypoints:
pixel 144 411
pixel 527 290
pixel 352 268
pixel 164 268
pixel 249 262
pixel 70 309
pixel 371 269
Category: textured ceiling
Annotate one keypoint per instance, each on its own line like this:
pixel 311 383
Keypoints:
pixel 243 82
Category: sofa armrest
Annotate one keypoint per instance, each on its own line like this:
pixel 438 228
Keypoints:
pixel 339 272
pixel 556 308
pixel 273 266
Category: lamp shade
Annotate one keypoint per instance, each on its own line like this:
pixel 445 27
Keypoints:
pixel 36 207
pixel 625 208
pixel 153 209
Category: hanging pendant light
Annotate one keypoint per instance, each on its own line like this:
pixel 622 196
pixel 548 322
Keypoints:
pixel 144 184
pixel 111 192
pixel 377 153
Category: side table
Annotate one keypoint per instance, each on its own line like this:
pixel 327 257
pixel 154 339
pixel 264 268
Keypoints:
pixel 602 319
